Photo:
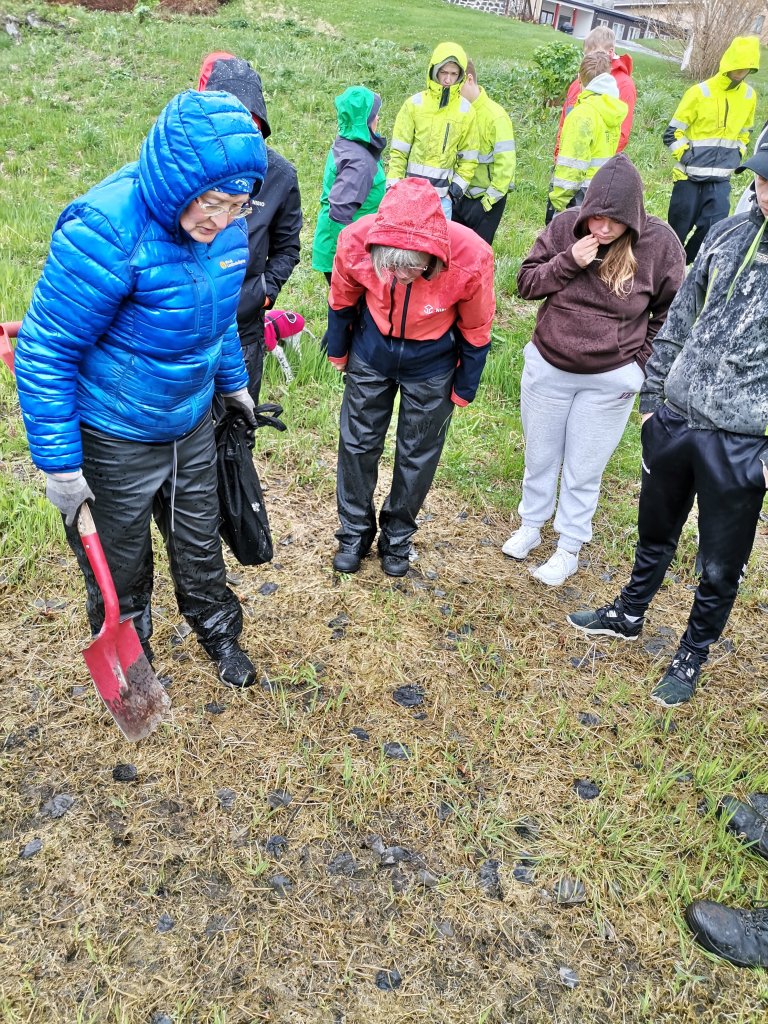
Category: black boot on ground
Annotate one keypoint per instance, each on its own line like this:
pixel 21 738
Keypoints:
pixel 235 667
pixel 347 559
pixel 745 823
pixel 738 936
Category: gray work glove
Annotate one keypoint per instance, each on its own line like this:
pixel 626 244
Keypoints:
pixel 67 491
pixel 241 401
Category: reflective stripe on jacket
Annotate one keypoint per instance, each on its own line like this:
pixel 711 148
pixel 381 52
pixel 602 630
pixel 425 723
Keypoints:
pixel 434 141
pixel 495 172
pixel 709 132
pixel 589 139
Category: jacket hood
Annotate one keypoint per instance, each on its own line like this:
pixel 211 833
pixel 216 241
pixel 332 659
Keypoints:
pixel 616 191
pixel 622 63
pixel 354 109
pixel 611 108
pixel 227 73
pixel 442 53
pixel 199 141
pixel 410 217
pixel 744 52
pixel 603 85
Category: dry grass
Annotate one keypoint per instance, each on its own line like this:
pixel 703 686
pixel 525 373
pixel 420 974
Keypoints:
pixel 496 741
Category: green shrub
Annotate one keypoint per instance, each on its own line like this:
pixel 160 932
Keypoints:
pixel 558 65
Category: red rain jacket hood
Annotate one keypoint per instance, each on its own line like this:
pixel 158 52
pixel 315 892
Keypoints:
pixel 410 217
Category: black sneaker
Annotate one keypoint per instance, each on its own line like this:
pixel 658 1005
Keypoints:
pixel 609 620
pixel 738 936
pixel 235 668
pixel 678 684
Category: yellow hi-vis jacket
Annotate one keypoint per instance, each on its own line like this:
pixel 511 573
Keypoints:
pixel 435 134
pixel 709 133
pixel 589 138
pixel 495 172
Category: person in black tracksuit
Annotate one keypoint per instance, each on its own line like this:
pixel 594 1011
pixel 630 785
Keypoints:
pixel 705 435
pixel 275 224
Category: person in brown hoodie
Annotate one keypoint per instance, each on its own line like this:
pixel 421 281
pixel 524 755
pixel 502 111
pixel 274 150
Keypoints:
pixel 607 272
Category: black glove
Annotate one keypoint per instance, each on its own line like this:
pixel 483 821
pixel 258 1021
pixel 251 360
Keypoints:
pixel 67 491
pixel 455 192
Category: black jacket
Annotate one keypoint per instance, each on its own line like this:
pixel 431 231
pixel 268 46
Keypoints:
pixel 275 224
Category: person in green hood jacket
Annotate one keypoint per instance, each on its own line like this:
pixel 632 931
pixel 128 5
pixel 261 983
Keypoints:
pixel 590 135
pixel 353 180
pixel 708 136
pixel 436 135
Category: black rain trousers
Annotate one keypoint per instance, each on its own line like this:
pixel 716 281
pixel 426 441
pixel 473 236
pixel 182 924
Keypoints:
pixel 724 472
pixel 175 483
pixel 422 426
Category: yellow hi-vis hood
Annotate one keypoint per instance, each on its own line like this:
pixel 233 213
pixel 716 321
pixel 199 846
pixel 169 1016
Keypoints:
pixel 744 52
pixel 442 53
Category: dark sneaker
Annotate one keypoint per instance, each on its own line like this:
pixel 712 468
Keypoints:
pixel 678 684
pixel 609 620
pixel 745 823
pixel 347 559
pixel 738 936
pixel 235 668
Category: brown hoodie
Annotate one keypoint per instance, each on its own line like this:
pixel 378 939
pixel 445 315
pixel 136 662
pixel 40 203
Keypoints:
pixel 584 327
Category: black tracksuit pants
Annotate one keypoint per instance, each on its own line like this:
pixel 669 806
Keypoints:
pixel 724 472
pixel 422 425
pixel 176 483
pixel 699 205
pixel 484 223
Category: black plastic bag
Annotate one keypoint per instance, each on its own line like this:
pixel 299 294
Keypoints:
pixel 244 524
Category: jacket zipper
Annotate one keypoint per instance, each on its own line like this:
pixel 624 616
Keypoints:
pixel 198 300
pixel 391 307
pixel 405 309
pixel 445 139
pixel 214 304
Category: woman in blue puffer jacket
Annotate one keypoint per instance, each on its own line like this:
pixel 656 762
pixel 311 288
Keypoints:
pixel 130 332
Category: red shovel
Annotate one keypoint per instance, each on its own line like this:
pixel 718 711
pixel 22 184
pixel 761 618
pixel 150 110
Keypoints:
pixel 116 660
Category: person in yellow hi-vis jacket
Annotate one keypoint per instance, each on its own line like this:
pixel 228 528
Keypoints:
pixel 482 206
pixel 590 135
pixel 435 135
pixel 708 136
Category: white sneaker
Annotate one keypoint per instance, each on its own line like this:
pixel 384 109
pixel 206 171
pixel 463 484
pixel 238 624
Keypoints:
pixel 522 542
pixel 557 570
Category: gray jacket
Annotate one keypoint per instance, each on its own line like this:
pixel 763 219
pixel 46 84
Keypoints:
pixel 710 359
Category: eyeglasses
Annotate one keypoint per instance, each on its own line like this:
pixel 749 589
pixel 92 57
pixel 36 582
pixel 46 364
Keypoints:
pixel 232 212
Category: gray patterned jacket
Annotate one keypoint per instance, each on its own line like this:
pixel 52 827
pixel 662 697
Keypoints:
pixel 710 359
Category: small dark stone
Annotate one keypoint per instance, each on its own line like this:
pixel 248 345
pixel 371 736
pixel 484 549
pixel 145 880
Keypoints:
pixel 430 574
pixel 446 929
pixel 388 981
pixel 588 718
pixel 606 577
pixel 463 514
pixel 160 1018
pixel 165 923
pixel 656 645
pixel 684 777
pixel 427 879
pixel 215 924
pixel 281 884
pixel 57 806
pixel 568 977
pixel 585 789
pixel 466 629
pixel 486 542
pixel 374 843
pixel 226 798
pixel 444 811
pixel 488 878
pixel 214 708
pixel 320 668
pixel 727 646
pixel 444 609
pixel 408 696
pixel 180 633
pixel 267 588
pixel 523 874
pixel 342 864
pixel 587 661
pixel 278 798
pixel 340 620
pixel 438 593
pixel 667 724
pixel 78 691
pixel 671 577
pixel 165 681
pixel 338 634
pixel 359 733
pixel 569 891
pixel 125 773
pixel 276 846
pixel 419 716
pixel 528 828
pixel 397 751
pixel 33 846
pixel 395 855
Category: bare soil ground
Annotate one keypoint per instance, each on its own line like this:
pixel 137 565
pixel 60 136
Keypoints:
pixel 273 858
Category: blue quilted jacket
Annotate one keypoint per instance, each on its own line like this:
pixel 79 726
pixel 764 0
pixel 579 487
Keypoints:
pixel 132 324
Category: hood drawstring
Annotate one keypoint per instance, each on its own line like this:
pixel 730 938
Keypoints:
pixel 747 261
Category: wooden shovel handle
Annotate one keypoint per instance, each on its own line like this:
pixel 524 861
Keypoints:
pixel 95 554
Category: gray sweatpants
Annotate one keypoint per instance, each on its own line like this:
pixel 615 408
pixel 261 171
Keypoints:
pixel 572 422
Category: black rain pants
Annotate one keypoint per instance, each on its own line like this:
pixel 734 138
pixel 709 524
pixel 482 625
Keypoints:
pixel 724 472
pixel 176 483
pixel 699 205
pixel 422 425
pixel 484 223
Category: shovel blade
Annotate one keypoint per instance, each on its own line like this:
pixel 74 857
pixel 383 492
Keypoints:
pixel 131 691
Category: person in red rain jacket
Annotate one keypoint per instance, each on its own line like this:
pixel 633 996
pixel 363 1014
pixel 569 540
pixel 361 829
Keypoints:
pixel 409 310
pixel 603 38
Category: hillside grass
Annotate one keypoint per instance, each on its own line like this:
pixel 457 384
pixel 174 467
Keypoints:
pixel 506 685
